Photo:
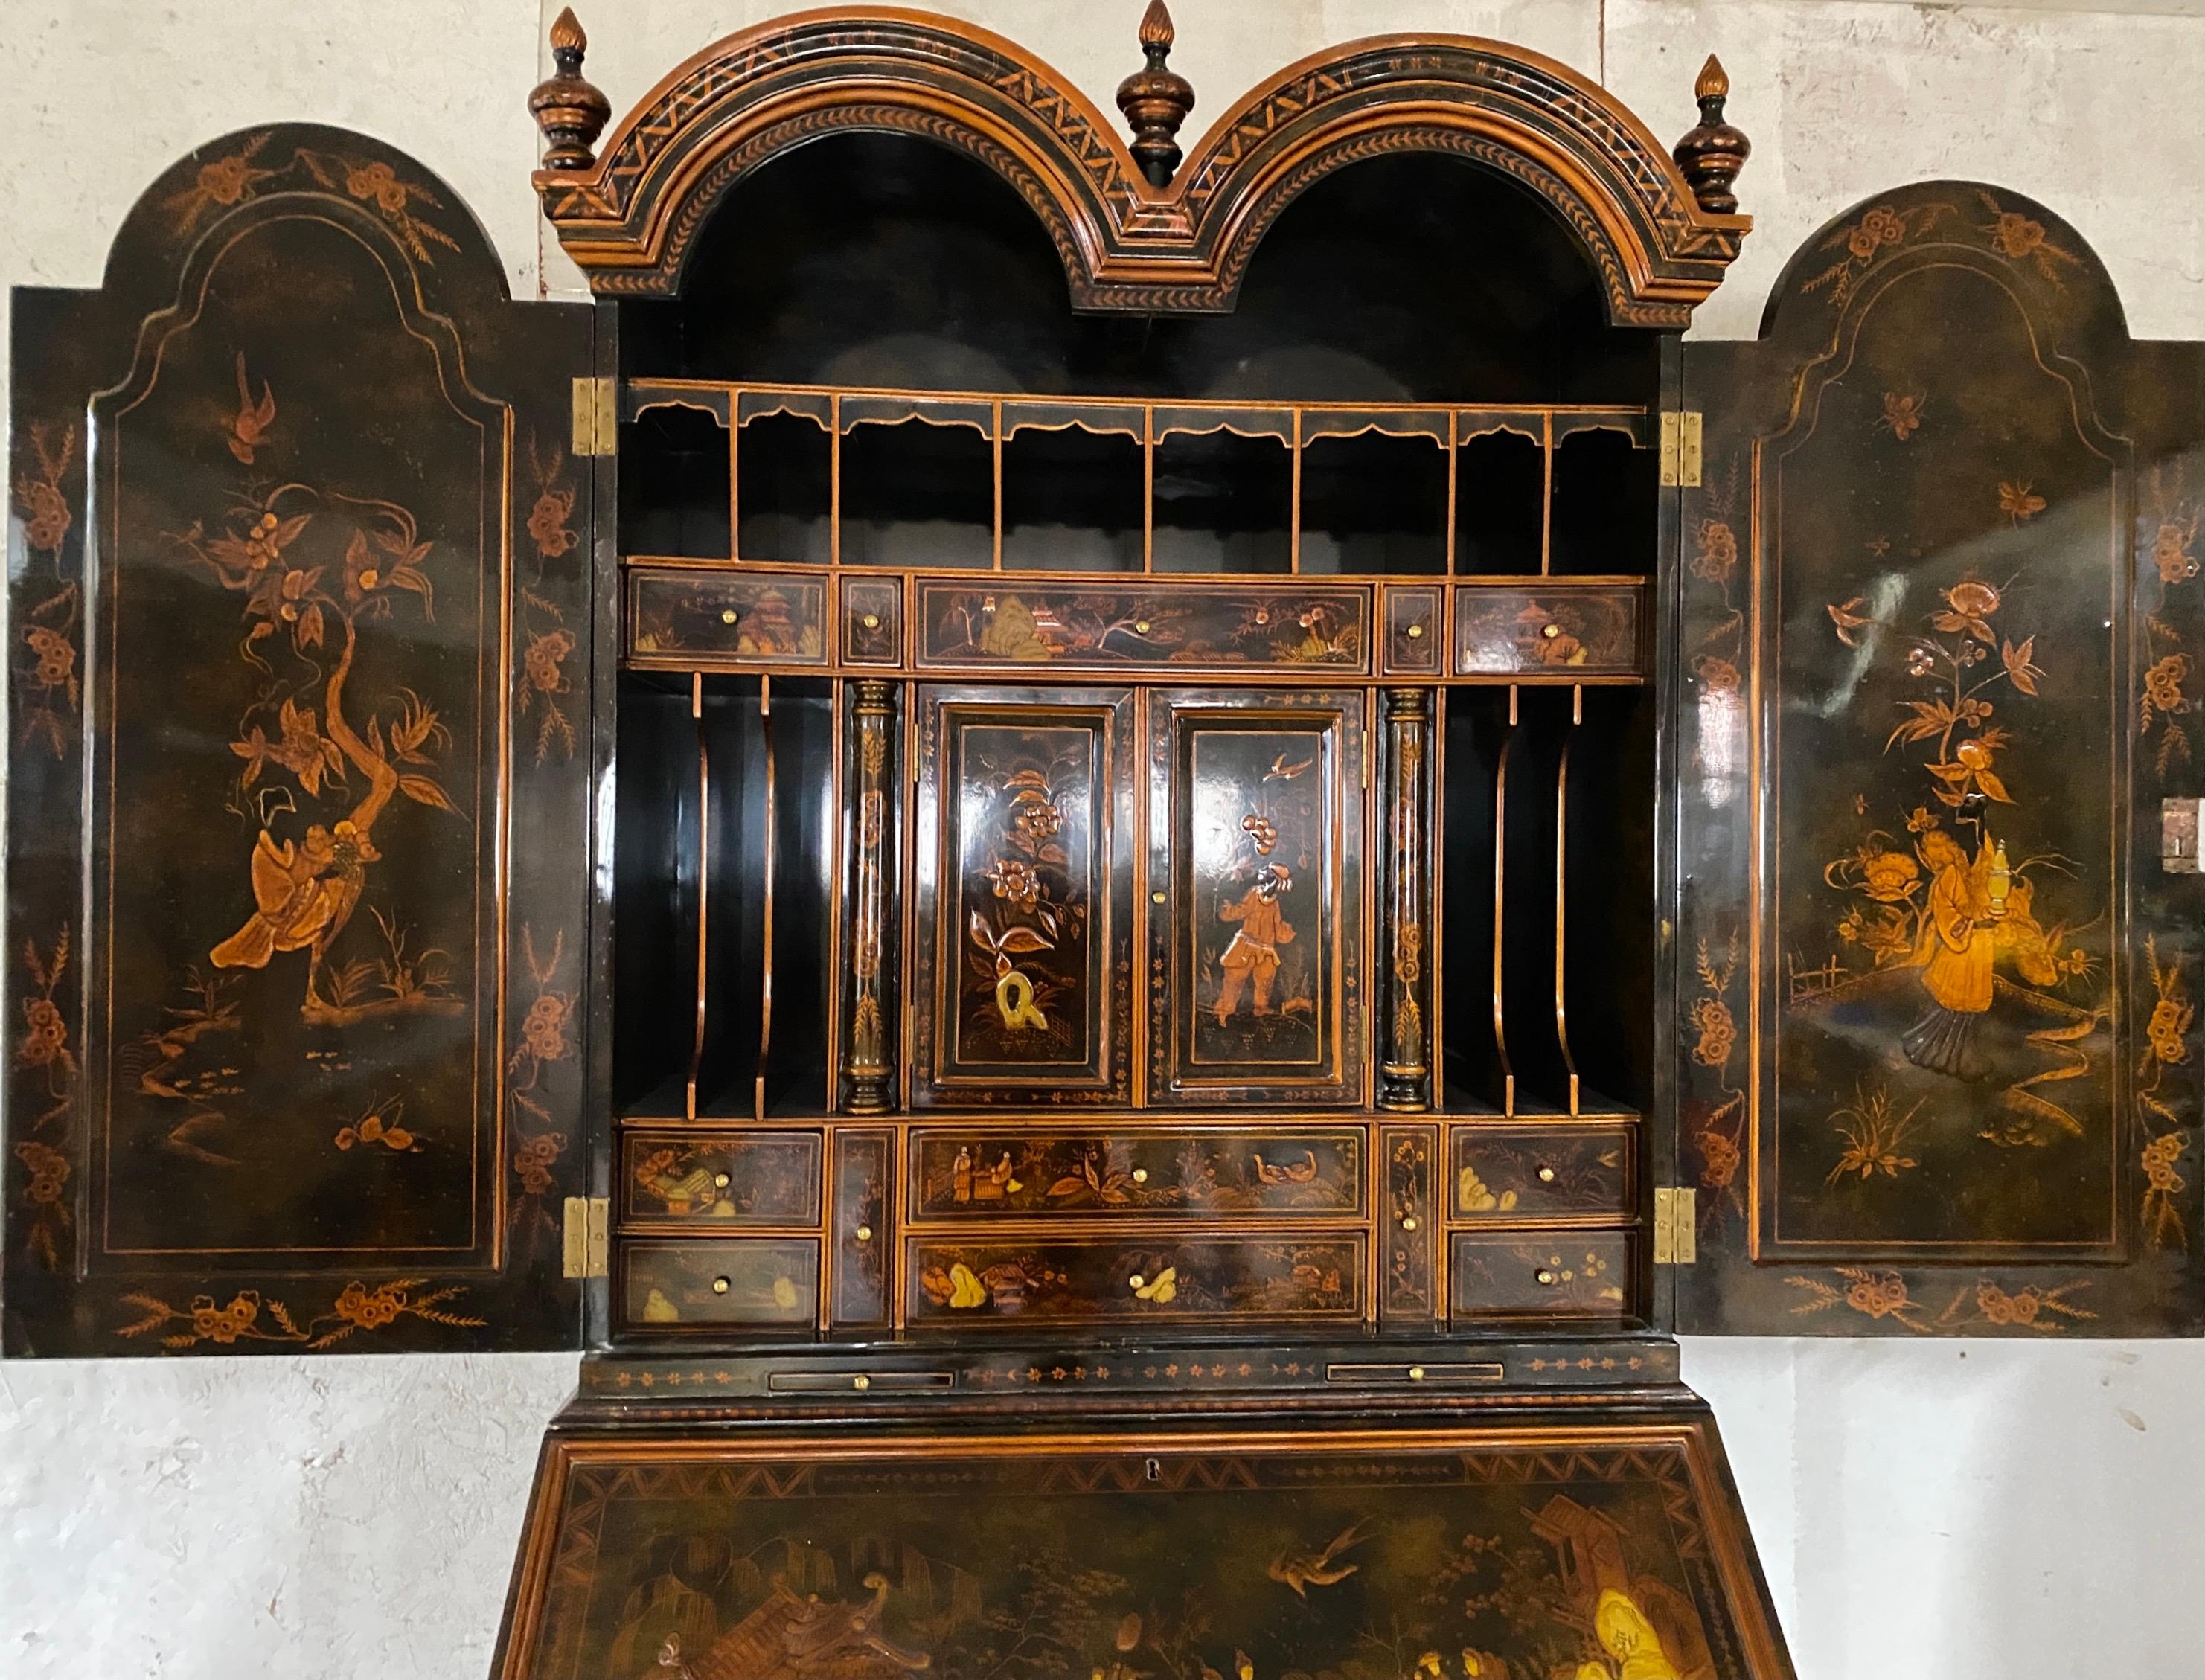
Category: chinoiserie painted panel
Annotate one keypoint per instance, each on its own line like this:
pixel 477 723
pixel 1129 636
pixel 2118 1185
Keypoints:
pixel 302 603
pixel 702 619
pixel 1175 1172
pixel 1526 1548
pixel 1564 631
pixel 1256 949
pixel 1939 604
pixel 1023 956
pixel 690 1177
pixel 1196 628
pixel 1157 1278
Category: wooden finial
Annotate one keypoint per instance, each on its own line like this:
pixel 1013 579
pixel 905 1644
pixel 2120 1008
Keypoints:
pixel 1713 152
pixel 1156 100
pixel 570 112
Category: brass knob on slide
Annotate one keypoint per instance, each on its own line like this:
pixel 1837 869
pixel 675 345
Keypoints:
pixel 727 616
pixel 719 1286
pixel 1546 1175
pixel 1545 1276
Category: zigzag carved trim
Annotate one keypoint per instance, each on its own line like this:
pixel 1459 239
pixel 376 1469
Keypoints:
pixel 632 220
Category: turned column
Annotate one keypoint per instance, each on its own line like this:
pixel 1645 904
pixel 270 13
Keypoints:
pixel 1405 899
pixel 869 1071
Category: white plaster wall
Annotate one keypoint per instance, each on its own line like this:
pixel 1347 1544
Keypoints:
pixel 1993 1511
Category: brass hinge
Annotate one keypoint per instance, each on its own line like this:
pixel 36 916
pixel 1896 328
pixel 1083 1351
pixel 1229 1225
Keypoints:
pixel 1676 1226
pixel 2179 829
pixel 589 1220
pixel 1680 448
pixel 597 417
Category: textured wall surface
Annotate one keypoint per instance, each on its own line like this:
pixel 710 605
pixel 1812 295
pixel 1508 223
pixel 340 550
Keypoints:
pixel 2004 1512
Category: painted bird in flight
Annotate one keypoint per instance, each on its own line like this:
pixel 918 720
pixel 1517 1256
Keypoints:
pixel 1302 1570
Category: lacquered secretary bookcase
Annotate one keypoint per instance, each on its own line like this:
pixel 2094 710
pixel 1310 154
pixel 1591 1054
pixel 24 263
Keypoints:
pixel 1118 871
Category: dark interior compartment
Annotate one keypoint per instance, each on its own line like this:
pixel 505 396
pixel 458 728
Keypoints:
pixel 1606 496
pixel 917 493
pixel 784 470
pixel 1224 503
pixel 674 485
pixel 1072 500
pixel 1374 504
pixel 1499 501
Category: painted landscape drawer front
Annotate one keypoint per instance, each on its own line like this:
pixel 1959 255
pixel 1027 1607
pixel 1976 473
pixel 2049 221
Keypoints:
pixel 761 1282
pixel 684 1177
pixel 1023 970
pixel 1134 1279
pixel 1515 1173
pixel 692 618
pixel 1541 1275
pixel 1185 1172
pixel 1256 888
pixel 1518 1549
pixel 1183 628
pixel 1550 632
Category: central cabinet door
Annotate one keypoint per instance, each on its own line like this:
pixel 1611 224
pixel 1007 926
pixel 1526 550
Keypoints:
pixel 1256 889
pixel 1022 965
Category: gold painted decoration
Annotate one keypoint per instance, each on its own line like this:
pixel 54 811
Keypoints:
pixel 546 686
pixel 47 691
pixel 1094 628
pixel 249 1316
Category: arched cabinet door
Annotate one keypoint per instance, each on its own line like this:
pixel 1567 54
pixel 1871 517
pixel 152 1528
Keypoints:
pixel 299 816
pixel 1939 637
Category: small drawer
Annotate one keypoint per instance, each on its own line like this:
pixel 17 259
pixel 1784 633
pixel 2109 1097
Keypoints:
pixel 1181 1172
pixel 1541 1275
pixel 864 1187
pixel 764 1282
pixel 1411 647
pixel 872 621
pixel 708 620
pixel 688 1179
pixel 1509 1174
pixel 1146 1278
pixel 1409 1157
pixel 1562 631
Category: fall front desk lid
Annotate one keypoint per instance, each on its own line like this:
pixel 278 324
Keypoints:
pixel 1595 1548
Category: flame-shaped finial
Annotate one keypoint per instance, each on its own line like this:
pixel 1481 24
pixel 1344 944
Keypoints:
pixel 1154 99
pixel 1713 153
pixel 570 112
pixel 1156 33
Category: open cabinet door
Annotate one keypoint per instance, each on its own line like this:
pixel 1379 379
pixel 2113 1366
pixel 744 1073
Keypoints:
pixel 298 820
pixel 1941 630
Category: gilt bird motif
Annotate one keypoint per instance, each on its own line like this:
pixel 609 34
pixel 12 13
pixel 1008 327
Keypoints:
pixel 250 428
pixel 1282 771
pixel 1302 1570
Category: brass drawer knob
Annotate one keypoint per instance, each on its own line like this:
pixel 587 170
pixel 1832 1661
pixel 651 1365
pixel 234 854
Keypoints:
pixel 1416 632
pixel 720 1181
pixel 1140 1175
pixel 1409 1223
pixel 1140 626
pixel 872 620
pixel 861 1383
pixel 719 1286
pixel 1136 1281
pixel 1546 1175
pixel 727 616
pixel 1550 631
pixel 1416 1373
pixel 1544 1275
pixel 1155 898
pixel 864 1233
